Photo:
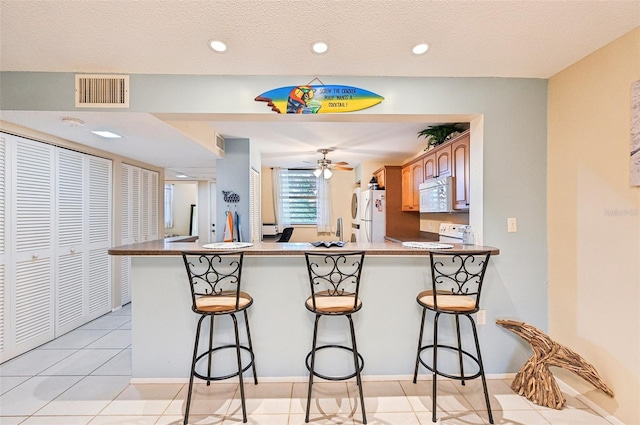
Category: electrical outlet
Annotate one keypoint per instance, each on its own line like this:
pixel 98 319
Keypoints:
pixel 482 317
pixel 512 225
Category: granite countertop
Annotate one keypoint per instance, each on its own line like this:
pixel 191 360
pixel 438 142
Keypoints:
pixel 163 247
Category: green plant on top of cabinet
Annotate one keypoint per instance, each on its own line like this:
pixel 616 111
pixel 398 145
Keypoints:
pixel 439 134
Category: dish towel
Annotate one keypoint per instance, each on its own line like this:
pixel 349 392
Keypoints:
pixel 228 228
pixel 237 228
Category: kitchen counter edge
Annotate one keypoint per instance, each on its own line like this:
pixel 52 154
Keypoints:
pixel 162 247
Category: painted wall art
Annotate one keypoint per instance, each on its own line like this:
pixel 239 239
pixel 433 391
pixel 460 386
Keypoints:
pixel 318 99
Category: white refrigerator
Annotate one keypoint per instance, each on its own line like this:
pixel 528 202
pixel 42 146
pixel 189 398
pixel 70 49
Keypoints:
pixel 372 220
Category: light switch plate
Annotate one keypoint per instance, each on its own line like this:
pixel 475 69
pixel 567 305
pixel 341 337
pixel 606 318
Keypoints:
pixel 512 225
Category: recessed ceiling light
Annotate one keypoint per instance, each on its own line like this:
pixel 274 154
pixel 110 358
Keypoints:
pixel 319 47
pixel 420 49
pixel 181 176
pixel 217 46
pixel 106 134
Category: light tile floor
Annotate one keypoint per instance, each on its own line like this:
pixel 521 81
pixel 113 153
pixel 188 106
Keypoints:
pixel 83 378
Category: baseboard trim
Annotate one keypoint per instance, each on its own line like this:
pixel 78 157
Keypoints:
pixel 590 404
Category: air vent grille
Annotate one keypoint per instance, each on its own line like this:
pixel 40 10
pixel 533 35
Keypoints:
pixel 102 91
pixel 220 142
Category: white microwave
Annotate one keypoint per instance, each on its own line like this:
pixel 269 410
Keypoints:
pixel 436 195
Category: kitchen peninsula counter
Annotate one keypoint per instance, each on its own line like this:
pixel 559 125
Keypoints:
pixel 164 247
pixel 275 274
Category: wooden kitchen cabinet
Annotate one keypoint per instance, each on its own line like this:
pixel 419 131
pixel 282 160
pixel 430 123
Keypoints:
pixel 437 164
pixel 460 167
pixel 412 178
pixel 451 159
pixel 380 175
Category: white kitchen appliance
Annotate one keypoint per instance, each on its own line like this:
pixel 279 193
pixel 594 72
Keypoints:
pixel 436 196
pixel 373 220
pixel 448 232
pixel 355 215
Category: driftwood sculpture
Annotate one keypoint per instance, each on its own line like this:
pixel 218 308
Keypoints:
pixel 534 380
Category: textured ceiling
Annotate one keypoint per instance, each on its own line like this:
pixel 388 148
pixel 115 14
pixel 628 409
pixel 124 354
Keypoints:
pixel 496 38
pixel 533 38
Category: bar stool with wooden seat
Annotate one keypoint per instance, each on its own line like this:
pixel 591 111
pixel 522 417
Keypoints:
pixel 335 284
pixel 214 278
pixel 456 280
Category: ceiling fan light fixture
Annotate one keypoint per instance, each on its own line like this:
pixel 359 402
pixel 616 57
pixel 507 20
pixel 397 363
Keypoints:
pixel 420 49
pixel 317 172
pixel 327 174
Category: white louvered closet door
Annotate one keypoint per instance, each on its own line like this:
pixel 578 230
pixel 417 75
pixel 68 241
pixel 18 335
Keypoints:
pixel 126 193
pixel 3 249
pixel 71 252
pixel 255 207
pixel 149 206
pixel 32 303
pixel 98 195
pixel 136 202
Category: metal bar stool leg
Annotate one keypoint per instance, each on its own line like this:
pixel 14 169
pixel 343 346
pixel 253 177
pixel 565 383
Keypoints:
pixel 253 366
pixel 415 373
pixel 357 366
pixel 435 365
pixel 480 364
pixel 193 369
pixel 459 348
pixel 210 351
pixel 313 360
pixel 235 329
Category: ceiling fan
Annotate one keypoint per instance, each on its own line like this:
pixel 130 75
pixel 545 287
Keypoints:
pixel 325 165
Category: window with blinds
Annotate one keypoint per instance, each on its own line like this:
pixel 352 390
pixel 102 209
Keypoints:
pixel 299 196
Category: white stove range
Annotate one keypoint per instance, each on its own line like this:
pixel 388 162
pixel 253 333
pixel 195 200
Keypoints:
pixel 448 232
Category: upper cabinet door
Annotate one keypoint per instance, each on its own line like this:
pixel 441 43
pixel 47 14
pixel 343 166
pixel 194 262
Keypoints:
pixel 461 155
pixel 429 166
pixel 443 161
pixel 438 163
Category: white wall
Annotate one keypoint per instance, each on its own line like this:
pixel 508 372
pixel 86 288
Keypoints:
pixel 594 222
pixel 184 194
pixel 511 118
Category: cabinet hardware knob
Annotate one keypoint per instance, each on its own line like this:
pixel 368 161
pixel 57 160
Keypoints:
pixel 73 250
pixel 35 256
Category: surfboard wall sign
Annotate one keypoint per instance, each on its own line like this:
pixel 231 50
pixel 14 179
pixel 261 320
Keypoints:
pixel 319 99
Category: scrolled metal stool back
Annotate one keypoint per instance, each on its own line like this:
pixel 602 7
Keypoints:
pixel 458 274
pixel 213 274
pixel 335 275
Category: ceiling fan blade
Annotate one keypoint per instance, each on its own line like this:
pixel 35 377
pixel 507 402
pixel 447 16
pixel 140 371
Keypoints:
pixel 341 163
pixel 342 168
